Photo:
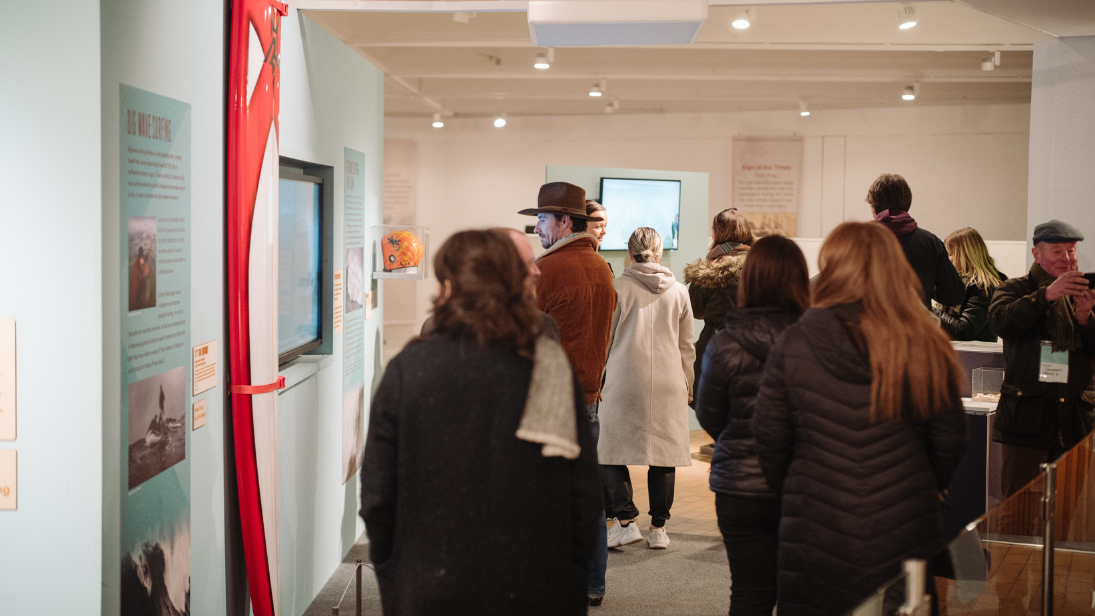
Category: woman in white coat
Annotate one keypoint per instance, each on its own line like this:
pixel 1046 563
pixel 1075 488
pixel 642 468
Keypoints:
pixel 648 385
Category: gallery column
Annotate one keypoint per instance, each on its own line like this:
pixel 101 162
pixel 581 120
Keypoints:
pixel 1061 184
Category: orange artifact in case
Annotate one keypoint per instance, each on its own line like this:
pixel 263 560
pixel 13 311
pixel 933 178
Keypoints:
pixel 401 250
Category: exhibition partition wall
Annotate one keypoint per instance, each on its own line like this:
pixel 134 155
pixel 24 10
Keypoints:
pixel 331 99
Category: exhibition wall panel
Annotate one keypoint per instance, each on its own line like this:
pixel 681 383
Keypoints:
pixel 967 165
pixel 156 47
pixel 50 278
pixel 331 99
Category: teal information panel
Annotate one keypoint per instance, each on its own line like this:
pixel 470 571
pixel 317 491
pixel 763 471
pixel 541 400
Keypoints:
pixel 155 334
pixel 353 318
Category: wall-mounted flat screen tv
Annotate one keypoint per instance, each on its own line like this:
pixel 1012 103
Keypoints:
pixel 299 269
pixel 633 203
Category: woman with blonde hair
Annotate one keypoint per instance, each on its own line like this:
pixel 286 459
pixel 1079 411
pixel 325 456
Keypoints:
pixel 648 385
pixel 713 281
pixel 970 256
pixel 859 426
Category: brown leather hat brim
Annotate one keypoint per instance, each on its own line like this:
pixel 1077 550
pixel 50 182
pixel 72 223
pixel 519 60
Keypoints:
pixel 535 211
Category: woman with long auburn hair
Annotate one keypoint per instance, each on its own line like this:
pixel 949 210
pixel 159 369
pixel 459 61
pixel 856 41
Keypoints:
pixel 773 292
pixel 501 443
pixel 859 425
pixel 970 256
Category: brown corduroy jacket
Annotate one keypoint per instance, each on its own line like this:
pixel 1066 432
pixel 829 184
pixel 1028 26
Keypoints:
pixel 575 288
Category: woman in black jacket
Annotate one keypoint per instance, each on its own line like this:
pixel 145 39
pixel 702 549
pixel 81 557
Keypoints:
pixel 975 265
pixel 773 292
pixel 859 425
pixel 477 434
pixel 713 281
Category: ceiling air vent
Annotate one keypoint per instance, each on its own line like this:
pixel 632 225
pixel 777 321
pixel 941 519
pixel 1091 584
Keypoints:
pixel 570 23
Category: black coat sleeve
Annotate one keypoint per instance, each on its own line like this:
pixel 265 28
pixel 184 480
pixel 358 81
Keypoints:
pixel 947 440
pixel 773 430
pixel 949 288
pixel 585 487
pixel 1014 309
pixel 379 464
pixel 971 321
pixel 698 297
pixel 713 391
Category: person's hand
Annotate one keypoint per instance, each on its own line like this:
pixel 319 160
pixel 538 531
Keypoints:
pixel 1071 282
pixel 1085 302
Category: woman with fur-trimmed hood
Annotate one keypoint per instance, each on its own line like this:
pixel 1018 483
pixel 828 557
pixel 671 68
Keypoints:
pixel 713 281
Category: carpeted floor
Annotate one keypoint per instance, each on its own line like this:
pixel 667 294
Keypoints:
pixel 689 578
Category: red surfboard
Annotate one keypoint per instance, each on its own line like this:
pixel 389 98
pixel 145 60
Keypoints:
pixel 252 182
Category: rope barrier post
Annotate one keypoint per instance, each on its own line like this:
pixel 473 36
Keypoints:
pixel 1049 511
pixel 357 573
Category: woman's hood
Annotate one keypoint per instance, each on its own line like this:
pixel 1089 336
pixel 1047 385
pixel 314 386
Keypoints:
pixel 655 277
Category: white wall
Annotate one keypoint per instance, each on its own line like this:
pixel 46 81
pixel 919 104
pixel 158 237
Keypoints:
pixel 967 165
pixel 50 284
pixel 1062 138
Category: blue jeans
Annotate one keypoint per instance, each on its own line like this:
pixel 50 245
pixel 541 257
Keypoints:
pixel 599 563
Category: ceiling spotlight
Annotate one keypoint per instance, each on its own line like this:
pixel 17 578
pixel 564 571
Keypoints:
pixel 545 58
pixel 989 63
pixel 911 91
pixel 613 106
pixel 437 123
pixel 595 90
pixel 500 121
pixel 743 17
pixel 802 109
pixel 906 16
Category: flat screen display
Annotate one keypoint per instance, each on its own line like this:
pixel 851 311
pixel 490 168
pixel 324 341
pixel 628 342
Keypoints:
pixel 641 203
pixel 298 263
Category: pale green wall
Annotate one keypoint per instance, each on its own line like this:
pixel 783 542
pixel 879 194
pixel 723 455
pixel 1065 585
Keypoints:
pixel 50 283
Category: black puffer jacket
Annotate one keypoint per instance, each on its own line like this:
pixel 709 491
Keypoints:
pixel 858 497
pixel 712 290
pixel 726 394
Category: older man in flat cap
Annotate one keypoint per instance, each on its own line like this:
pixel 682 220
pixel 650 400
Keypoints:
pixel 575 289
pixel 1045 320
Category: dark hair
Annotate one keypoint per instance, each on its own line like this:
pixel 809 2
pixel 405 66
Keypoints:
pixel 486 295
pixel 774 274
pixel 890 192
pixel 578 225
pixel 730 225
pixel 140 252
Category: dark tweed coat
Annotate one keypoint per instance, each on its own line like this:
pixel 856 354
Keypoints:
pixel 462 517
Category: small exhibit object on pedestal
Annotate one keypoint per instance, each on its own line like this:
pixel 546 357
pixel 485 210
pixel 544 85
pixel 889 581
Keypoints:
pixel 986 384
pixel 401 252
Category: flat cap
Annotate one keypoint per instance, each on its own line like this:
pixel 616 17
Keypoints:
pixel 1055 232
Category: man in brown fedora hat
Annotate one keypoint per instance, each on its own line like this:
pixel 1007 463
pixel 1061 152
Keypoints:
pixel 575 288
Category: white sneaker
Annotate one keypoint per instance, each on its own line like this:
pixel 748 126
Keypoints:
pixel 623 535
pixel 658 539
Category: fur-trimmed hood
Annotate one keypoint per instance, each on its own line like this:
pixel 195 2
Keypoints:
pixel 717 274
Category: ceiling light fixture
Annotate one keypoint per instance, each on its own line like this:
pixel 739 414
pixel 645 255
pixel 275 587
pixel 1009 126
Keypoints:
pixel 613 106
pixel 437 123
pixel 803 110
pixel 545 58
pixel 989 63
pixel 911 91
pixel 500 121
pixel 461 17
pixel 597 89
pixel 906 16
pixel 743 17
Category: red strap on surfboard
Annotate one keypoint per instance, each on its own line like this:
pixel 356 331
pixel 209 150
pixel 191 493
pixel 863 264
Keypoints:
pixel 251 390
